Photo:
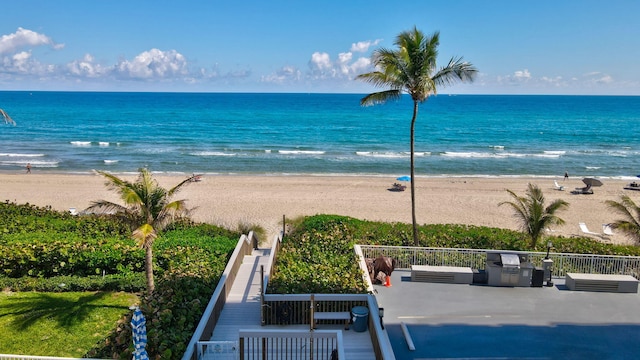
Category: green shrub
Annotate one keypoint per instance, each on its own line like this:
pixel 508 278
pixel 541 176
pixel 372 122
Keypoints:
pixel 47 254
pixel 27 218
pixel 132 282
pixel 317 253
pixel 45 250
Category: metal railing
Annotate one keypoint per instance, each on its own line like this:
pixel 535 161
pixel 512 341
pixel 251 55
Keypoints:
pixel 295 309
pixel 563 263
pixel 291 344
pixel 33 357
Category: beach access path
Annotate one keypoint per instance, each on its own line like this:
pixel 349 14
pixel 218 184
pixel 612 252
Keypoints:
pixel 242 311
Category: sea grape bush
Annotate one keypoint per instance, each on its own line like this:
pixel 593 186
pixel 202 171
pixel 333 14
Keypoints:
pixel 53 254
pixel 44 250
pixel 194 260
pixel 27 218
pixel 132 283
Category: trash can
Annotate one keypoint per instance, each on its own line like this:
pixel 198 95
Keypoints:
pixel 538 277
pixel 360 317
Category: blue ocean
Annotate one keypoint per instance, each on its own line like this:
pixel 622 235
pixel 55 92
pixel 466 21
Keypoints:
pixel 320 134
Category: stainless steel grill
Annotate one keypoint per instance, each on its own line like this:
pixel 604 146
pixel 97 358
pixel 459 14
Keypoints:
pixel 508 269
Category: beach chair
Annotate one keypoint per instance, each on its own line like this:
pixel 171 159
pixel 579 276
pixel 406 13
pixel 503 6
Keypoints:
pixel 586 231
pixel 603 237
pixel 558 186
pixel 607 230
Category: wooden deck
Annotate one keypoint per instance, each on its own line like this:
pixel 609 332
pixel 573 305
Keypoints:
pixel 242 311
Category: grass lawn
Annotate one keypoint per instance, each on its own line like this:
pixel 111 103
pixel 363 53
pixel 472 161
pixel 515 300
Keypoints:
pixel 58 324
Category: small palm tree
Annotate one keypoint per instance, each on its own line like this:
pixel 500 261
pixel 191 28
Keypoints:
pixel 147 209
pixel 530 210
pixel 412 69
pixel 630 224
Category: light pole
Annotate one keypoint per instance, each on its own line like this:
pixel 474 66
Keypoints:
pixel 548 263
pixel 549 245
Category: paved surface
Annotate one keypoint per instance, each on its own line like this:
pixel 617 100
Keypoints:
pixel 485 322
pixel 242 311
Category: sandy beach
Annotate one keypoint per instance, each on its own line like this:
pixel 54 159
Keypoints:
pixel 229 200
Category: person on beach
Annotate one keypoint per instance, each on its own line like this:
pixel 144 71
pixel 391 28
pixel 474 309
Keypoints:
pixel 566 175
pixel 28 168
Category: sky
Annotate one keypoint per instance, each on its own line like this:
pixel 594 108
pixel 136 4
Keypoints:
pixel 573 47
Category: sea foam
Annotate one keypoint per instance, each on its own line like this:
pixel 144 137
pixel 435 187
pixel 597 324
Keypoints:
pixel 21 155
pixel 212 153
pixel 301 152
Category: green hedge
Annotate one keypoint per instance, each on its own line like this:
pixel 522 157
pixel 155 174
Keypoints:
pixel 45 250
pixel 133 282
pixel 317 256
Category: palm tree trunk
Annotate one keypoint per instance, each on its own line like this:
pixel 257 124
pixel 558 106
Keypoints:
pixel 148 267
pixel 416 241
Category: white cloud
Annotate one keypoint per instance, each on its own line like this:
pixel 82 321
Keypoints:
pixel 596 77
pixel 25 38
pixel 153 64
pixel 320 61
pixel 23 63
pixel 322 67
pixel 343 62
pixel 86 68
pixel 522 74
pixel 286 74
pixel 556 81
pixel 518 77
pixel 363 46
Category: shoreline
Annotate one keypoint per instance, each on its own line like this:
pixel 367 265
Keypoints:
pixel 229 200
pixel 559 177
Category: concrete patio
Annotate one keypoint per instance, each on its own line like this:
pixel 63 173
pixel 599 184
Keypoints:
pixel 482 322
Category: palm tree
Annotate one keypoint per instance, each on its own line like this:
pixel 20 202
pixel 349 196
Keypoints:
pixel 630 224
pixel 534 217
pixel 411 68
pixel 147 208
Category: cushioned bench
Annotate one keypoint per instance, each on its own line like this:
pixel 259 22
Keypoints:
pixel 442 274
pixel 600 282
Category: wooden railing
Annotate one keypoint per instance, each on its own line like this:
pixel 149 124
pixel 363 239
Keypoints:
pixel 211 314
pixel 563 263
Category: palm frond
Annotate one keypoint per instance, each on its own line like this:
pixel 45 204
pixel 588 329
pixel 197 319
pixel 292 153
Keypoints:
pixel 104 207
pixel 7 118
pixel 532 214
pixel 629 224
pixel 145 234
pixel 170 212
pixel 456 70
pixel 380 97
pixel 174 190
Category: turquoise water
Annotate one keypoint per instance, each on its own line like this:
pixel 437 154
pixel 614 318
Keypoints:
pixel 320 134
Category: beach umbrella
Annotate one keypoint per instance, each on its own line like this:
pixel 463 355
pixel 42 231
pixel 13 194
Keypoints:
pixel 404 178
pixel 139 331
pixel 592 182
